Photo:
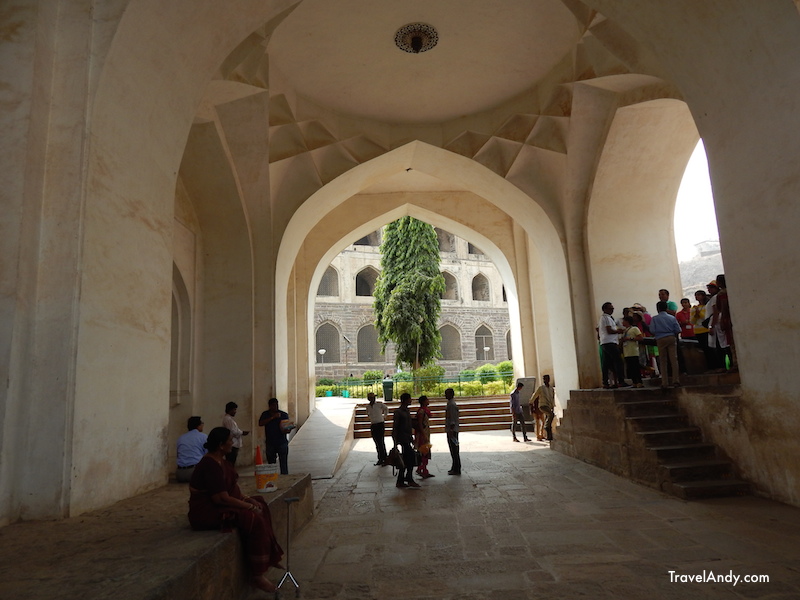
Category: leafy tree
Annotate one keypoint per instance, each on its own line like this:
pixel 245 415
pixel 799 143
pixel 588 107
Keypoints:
pixel 408 292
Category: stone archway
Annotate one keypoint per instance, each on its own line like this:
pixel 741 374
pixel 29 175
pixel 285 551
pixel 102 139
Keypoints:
pixel 339 211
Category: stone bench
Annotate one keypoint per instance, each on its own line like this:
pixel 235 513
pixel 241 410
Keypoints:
pixel 140 548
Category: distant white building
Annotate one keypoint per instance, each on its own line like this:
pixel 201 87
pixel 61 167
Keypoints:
pixel 474 321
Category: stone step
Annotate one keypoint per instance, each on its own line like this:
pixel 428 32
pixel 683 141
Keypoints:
pixel 645 408
pixel 691 490
pixel 657 422
pixel 475 414
pixel 709 469
pixel 684 452
pixel 670 437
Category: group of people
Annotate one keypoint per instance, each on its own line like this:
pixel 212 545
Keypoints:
pixel 411 436
pixel 207 463
pixel 708 323
pixel 542 407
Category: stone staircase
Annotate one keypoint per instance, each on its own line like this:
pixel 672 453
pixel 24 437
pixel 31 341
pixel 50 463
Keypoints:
pixel 475 414
pixel 643 434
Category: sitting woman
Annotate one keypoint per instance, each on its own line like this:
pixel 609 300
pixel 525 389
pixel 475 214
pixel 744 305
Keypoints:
pixel 216 502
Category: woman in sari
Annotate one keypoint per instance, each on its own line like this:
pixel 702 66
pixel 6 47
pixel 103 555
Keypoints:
pixel 422 437
pixel 216 502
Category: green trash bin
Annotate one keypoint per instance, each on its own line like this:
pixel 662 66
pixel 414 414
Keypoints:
pixel 329 393
pixel 388 384
pixel 346 394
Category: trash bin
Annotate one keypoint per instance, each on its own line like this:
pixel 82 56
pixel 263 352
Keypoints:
pixel 388 386
pixel 346 394
pixel 329 392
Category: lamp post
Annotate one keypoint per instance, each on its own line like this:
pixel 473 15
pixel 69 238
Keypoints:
pixel 486 352
pixel 322 352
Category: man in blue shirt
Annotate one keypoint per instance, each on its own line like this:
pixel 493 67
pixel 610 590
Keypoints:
pixel 665 328
pixel 190 449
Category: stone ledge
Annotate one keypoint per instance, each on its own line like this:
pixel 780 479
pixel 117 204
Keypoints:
pixel 140 548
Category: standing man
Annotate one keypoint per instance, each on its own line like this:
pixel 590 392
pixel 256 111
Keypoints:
pixel 663 296
pixel 276 425
pixel 451 429
pixel 236 433
pixel 608 331
pixel 516 414
pixel 665 329
pixel 377 411
pixel 190 449
pixel 546 396
pixel 402 435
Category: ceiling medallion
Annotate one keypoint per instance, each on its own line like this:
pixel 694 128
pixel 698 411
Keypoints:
pixel 416 37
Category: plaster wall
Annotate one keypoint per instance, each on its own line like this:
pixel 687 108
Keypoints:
pixel 630 232
pixel 746 108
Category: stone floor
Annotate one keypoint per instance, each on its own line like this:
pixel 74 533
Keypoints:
pixel 526 522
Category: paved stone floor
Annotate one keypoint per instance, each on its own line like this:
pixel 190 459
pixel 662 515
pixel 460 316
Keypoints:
pixel 526 522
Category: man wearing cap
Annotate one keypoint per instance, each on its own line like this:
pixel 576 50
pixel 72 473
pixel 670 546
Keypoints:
pixel 190 449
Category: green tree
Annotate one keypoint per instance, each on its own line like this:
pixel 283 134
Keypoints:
pixel 408 292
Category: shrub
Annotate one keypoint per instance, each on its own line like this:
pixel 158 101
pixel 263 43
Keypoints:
pixel 373 376
pixel 487 372
pixel 468 375
pixel 472 388
pixel 321 389
pixel 495 388
pixel 430 376
pixel 326 381
pixel 403 376
pixel 506 371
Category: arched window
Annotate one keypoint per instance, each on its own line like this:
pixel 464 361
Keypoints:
pixel 365 281
pixel 329 285
pixel 328 340
pixel 369 350
pixel 508 344
pixel 373 239
pixel 451 343
pixel 450 287
pixel 480 288
pixel 447 241
pixel 505 298
pixel 484 344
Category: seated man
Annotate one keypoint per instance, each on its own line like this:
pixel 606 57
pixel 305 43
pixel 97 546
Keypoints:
pixel 190 449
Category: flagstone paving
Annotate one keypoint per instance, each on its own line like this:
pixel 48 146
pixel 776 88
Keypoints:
pixel 525 522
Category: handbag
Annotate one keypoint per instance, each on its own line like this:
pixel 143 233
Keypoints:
pixel 395 459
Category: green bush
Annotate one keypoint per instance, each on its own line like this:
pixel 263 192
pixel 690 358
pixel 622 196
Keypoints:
pixel 468 375
pixel 429 376
pixel 321 389
pixel 403 376
pixel 326 381
pixel 495 388
pixel 472 388
pixel 487 372
pixel 506 371
pixel 372 376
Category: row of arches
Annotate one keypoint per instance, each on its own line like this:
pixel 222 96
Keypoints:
pixel 367 277
pixel 368 349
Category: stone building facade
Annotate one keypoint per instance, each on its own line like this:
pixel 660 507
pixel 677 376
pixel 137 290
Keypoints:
pixel 474 320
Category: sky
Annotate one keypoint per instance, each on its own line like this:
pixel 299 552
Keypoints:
pixel 695 199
